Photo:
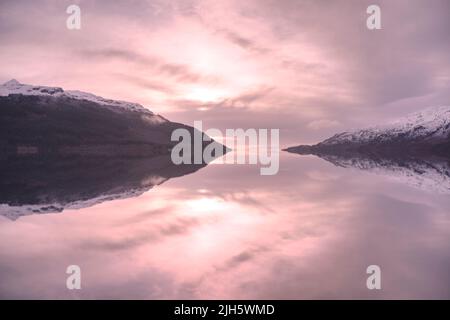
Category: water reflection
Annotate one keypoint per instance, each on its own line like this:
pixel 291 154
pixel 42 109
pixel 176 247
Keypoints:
pixel 227 232
pixel 30 185
pixel 431 173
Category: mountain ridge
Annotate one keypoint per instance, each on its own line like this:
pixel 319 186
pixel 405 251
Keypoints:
pixel 15 87
pixel 426 131
pixel 41 120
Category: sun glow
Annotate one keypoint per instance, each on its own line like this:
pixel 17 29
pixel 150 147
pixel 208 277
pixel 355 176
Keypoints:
pixel 204 94
pixel 205 204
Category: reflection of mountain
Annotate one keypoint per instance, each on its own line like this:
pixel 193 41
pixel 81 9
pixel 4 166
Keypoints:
pixel 30 185
pixel 414 150
pixel 429 174
pixel 68 149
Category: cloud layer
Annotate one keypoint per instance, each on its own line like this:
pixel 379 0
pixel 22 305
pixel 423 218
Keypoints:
pixel 306 67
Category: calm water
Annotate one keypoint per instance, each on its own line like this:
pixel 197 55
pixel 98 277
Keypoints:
pixel 227 232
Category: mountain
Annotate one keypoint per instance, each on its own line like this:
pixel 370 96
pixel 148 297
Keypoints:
pixel 48 120
pixel 425 132
pixel 414 150
pixel 14 87
pixel 69 149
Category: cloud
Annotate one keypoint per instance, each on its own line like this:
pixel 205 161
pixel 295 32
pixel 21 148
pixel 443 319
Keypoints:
pixel 307 60
pixel 323 124
pixel 244 100
pixel 242 42
pixel 177 71
pixel 147 83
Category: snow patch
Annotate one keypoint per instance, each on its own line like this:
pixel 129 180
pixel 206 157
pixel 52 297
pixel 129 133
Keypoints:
pixel 15 87
pixel 431 123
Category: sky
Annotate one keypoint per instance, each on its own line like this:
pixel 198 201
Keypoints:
pixel 310 68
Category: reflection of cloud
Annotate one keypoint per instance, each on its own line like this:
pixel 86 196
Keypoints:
pixel 149 284
pixel 168 229
pixel 245 256
pixel 322 175
pixel 143 216
pixel 192 289
pixel 118 245
pixel 247 199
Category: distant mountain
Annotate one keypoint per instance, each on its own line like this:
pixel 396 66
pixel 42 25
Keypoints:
pixel 48 120
pixel 414 150
pixel 425 132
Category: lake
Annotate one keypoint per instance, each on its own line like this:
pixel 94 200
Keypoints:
pixel 227 232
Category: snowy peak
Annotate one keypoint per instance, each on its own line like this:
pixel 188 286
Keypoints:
pixel 15 87
pixel 11 83
pixel 429 124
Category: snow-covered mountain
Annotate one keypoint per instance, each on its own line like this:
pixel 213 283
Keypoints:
pixel 48 120
pixel 15 87
pixel 427 131
pixel 430 124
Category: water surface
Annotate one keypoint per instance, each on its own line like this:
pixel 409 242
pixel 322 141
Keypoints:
pixel 226 232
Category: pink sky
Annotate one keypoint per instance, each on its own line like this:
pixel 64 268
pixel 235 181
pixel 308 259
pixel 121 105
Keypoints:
pixel 309 68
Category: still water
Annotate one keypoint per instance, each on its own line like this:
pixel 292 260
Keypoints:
pixel 226 232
